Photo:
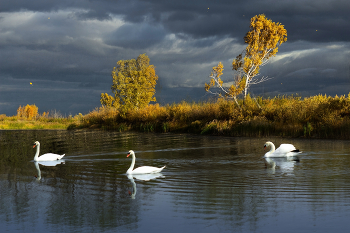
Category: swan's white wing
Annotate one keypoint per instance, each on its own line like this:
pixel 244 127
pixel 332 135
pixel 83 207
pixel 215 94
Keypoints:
pixel 147 169
pixel 50 157
pixel 285 148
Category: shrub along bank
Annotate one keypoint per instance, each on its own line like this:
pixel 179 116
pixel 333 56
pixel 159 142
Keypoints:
pixel 319 116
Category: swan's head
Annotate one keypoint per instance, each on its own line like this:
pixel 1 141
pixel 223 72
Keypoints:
pixel 131 152
pixel 267 144
pixel 36 144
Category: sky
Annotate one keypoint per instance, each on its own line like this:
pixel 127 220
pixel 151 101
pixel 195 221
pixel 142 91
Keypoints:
pixel 59 54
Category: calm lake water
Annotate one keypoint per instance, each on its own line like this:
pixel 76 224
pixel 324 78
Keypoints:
pixel 210 184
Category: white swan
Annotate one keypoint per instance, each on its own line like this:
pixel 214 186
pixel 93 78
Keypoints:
pixel 45 157
pixel 143 169
pixel 284 150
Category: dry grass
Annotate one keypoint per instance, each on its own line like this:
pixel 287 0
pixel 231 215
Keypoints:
pixel 318 116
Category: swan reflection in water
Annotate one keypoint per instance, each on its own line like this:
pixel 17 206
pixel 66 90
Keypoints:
pixel 285 164
pixel 143 177
pixel 46 164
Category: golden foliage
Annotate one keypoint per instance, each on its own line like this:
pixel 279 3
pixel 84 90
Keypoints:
pixel 263 40
pixel 217 70
pixel 102 115
pixel 215 74
pixel 109 101
pixel 2 117
pixel 238 86
pixel 233 91
pixel 152 112
pixel 133 85
pixel 29 112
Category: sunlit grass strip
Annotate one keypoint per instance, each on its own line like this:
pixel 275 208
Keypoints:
pixel 319 116
pixel 12 125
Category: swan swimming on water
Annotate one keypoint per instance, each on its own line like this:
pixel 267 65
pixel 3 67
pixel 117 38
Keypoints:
pixel 45 157
pixel 143 169
pixel 285 150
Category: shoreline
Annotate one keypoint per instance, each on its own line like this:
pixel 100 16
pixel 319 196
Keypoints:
pixel 321 117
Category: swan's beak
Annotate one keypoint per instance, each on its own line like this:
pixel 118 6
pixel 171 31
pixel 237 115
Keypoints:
pixel 128 155
pixel 264 146
pixel 34 145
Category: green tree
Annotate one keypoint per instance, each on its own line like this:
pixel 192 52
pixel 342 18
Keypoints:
pixel 133 85
pixel 263 41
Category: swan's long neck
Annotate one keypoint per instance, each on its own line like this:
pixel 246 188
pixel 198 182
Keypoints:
pixel 37 152
pixel 132 163
pixel 272 146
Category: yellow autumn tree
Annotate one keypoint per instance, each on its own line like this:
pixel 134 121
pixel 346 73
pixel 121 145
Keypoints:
pixel 229 92
pixel 29 112
pixel 133 85
pixel 263 39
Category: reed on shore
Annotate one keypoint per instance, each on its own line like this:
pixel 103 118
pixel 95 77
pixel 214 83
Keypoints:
pixel 318 116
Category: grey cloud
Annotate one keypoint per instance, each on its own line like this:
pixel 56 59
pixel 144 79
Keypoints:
pixel 72 54
pixel 93 14
pixel 138 36
pixel 301 19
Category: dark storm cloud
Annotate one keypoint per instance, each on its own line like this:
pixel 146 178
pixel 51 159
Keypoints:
pixel 213 18
pixel 128 36
pixel 68 48
pixel 209 18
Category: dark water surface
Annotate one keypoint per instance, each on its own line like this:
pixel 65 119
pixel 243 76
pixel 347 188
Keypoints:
pixel 210 184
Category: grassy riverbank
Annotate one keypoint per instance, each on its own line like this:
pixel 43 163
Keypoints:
pixel 318 116
pixel 14 122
